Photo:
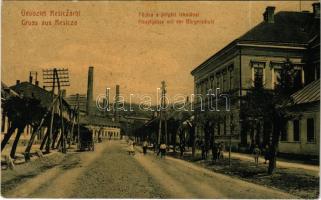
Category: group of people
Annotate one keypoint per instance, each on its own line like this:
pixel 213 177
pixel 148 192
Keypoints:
pixel 217 149
pixel 161 149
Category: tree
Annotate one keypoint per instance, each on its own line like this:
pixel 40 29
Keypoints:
pixel 21 111
pixel 281 98
pixel 260 104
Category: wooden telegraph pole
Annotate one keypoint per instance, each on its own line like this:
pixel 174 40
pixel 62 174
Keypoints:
pixel 53 78
pixel 162 114
pixel 78 128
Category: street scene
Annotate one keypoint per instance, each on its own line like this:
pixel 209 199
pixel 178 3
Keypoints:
pixel 160 100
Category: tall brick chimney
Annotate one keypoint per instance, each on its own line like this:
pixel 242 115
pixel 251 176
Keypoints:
pixel 107 100
pixel 90 88
pixel 30 78
pixel 117 104
pixel 268 15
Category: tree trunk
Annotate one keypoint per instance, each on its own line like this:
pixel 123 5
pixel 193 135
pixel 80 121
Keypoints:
pixel 212 138
pixel 32 138
pixel 193 141
pixel 44 139
pixel 7 136
pixel 54 139
pixel 15 143
pixel 59 141
pixel 274 144
pixel 272 161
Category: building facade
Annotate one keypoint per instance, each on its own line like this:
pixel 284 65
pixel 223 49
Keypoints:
pixel 258 55
pixel 303 130
pixel 101 127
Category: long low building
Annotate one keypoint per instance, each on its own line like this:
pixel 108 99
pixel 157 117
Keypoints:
pixel 103 126
pixel 303 131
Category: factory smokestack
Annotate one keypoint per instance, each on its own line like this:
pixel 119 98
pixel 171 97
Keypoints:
pixel 107 103
pixel 117 104
pixel 90 87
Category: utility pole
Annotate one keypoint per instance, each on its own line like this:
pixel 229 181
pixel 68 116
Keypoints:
pixel 78 128
pixel 162 114
pixel 230 146
pixel 51 77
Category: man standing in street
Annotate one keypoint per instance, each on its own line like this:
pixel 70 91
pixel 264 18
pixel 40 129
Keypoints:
pixel 162 149
pixel 145 144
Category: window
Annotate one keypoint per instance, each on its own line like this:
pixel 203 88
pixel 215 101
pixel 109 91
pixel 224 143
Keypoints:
pixel 224 125
pixel 277 76
pixel 297 81
pixel 231 124
pixel 217 80
pixel 296 130
pixel 218 128
pixel 203 87
pixel 224 86
pixel 284 135
pixel 212 82
pixel 310 130
pixel 258 72
pixel 258 75
pixel 231 70
pixel 206 86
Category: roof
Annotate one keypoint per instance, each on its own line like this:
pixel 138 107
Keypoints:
pixel 288 27
pixel 6 92
pixel 30 90
pixel 308 94
pixel 97 121
pixel 72 100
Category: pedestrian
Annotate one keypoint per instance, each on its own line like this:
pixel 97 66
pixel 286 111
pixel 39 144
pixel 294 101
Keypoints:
pixel 214 152
pixel 202 149
pixel 162 149
pixel 256 153
pixel 221 150
pixel 131 149
pixel 145 144
pixel 182 149
pixel 266 154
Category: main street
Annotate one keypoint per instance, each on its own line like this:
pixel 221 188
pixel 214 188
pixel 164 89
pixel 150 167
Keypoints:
pixel 109 172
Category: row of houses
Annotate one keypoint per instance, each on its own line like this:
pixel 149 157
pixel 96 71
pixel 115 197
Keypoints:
pixel 258 55
pixel 101 126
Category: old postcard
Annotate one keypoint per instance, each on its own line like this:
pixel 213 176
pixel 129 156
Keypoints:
pixel 160 99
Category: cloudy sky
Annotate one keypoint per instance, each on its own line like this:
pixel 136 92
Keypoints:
pixel 108 36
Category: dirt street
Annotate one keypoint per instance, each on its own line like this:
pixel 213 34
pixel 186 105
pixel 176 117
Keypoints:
pixel 110 172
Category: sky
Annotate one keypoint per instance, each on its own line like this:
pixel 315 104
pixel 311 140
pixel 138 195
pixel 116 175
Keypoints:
pixel 121 50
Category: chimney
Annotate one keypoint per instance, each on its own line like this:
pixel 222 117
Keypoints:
pixel 316 10
pixel 37 83
pixel 30 79
pixel 268 15
pixel 90 87
pixel 17 82
pixel 117 104
pixel 107 100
